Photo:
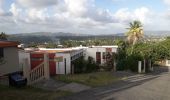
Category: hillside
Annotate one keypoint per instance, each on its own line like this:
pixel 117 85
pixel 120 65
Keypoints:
pixel 41 37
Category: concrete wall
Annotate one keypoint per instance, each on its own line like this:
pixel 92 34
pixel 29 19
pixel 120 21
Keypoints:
pixel 11 63
pixel 23 55
pixel 60 66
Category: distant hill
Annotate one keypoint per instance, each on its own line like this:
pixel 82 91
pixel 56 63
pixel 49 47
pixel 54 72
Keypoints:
pixel 41 37
pixel 157 33
pixel 57 37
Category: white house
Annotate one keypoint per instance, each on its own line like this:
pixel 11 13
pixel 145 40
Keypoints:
pixel 61 59
pixel 9 62
pixel 64 64
pixel 98 53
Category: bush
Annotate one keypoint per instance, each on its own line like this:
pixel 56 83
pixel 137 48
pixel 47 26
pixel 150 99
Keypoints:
pixel 85 66
pixel 129 63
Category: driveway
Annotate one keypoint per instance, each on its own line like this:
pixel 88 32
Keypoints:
pixel 154 86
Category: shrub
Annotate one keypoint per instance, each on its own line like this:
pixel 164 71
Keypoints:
pixel 85 66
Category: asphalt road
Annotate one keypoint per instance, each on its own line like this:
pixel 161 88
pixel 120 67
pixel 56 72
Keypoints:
pixel 156 89
pixel 137 87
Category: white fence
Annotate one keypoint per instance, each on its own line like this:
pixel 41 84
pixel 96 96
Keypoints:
pixel 40 72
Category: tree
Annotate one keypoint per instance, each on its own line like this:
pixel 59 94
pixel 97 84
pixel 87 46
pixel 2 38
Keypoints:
pixel 3 36
pixel 135 33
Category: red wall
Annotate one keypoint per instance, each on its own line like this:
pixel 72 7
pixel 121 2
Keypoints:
pixel 38 58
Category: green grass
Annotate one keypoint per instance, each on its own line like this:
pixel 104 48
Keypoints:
pixel 92 79
pixel 29 93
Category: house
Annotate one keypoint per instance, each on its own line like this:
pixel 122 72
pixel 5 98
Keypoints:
pixel 9 60
pixel 61 59
pixel 99 53
pixel 65 60
pixel 22 56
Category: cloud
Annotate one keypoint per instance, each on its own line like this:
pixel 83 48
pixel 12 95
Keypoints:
pixel 37 3
pixel 142 14
pixel 80 16
pixel 167 2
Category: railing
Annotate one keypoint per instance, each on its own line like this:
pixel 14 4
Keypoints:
pixel 38 73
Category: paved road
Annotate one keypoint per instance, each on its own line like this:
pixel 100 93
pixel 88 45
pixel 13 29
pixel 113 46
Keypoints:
pixel 137 87
pixel 156 89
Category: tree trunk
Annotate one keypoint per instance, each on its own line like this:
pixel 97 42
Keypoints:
pixel 134 42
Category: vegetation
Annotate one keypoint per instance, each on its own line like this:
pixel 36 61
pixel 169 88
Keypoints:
pixel 29 93
pixel 85 66
pixel 135 32
pixel 130 53
pixel 92 79
pixel 3 36
pixel 142 51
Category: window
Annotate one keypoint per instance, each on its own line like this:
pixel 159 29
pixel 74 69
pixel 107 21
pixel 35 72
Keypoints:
pixel 37 59
pixel 1 52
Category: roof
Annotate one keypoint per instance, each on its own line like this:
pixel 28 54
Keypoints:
pixel 47 51
pixel 8 44
pixel 106 46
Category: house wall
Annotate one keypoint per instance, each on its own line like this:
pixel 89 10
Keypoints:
pixel 92 52
pixel 23 55
pixel 11 61
pixel 60 69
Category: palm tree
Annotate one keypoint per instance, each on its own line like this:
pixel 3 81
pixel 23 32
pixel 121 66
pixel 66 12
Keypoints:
pixel 135 33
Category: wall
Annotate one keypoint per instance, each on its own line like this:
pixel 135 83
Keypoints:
pixel 23 55
pixel 12 61
pixel 60 69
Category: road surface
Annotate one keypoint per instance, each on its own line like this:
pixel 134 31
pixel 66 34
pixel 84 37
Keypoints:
pixel 138 87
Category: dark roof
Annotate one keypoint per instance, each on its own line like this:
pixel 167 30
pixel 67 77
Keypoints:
pixel 8 44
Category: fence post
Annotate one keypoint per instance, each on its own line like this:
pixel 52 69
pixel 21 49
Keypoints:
pixel 26 69
pixel 144 66
pixel 150 65
pixel 115 65
pixel 139 66
pixel 46 66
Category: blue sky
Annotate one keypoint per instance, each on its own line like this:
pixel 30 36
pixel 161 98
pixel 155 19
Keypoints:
pixel 157 5
pixel 82 16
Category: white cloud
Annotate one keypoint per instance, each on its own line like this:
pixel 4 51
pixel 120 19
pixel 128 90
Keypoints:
pixel 76 7
pixel 167 2
pixel 37 3
pixel 15 10
pixel 124 15
pixel 80 16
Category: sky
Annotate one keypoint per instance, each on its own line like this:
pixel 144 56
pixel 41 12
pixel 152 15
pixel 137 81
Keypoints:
pixel 82 16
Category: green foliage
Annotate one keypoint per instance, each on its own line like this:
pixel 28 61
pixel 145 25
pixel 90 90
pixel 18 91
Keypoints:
pixel 148 51
pixel 3 36
pixel 90 42
pixel 135 32
pixel 109 64
pixel 85 66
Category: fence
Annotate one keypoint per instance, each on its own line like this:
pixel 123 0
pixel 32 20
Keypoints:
pixel 40 72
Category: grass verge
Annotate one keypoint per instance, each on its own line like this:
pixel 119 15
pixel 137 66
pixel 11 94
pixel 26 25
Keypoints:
pixel 29 93
pixel 91 79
